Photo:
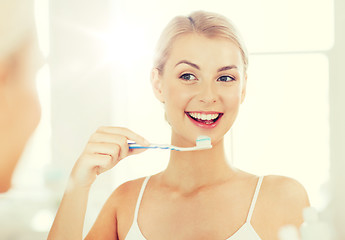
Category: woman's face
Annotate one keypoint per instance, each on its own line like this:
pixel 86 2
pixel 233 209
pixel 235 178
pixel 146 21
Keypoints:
pixel 202 87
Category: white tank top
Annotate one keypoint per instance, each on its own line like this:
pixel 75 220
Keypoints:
pixel 246 232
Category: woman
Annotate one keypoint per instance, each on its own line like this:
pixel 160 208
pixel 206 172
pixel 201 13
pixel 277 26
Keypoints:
pixel 200 76
pixel 20 59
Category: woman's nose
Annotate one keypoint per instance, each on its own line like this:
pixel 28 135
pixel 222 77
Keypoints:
pixel 208 93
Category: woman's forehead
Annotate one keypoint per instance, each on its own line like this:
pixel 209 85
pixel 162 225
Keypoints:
pixel 202 50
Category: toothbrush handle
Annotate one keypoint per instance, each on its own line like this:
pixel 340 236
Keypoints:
pixel 161 146
pixel 137 146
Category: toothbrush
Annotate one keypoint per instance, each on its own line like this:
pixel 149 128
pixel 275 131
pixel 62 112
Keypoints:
pixel 202 142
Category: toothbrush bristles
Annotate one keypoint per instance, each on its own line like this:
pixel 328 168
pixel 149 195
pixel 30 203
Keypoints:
pixel 203 141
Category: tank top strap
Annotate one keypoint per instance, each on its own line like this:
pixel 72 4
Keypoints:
pixel 141 193
pixel 255 197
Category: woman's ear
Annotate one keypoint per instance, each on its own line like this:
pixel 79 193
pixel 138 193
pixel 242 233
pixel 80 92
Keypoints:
pixel 156 82
pixel 244 88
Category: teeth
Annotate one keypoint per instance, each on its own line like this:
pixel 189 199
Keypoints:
pixel 203 116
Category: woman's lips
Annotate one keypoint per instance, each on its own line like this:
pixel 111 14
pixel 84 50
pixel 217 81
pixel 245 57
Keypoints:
pixel 205 119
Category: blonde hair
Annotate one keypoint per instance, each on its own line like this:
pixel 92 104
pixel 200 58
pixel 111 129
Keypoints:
pixel 16 23
pixel 205 23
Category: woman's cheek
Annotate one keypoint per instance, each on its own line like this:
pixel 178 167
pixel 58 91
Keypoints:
pixel 176 102
pixel 179 95
pixel 232 98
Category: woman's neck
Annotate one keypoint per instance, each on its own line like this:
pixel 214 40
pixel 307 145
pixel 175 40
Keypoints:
pixel 189 171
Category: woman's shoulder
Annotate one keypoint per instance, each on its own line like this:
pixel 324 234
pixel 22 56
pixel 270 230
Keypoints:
pixel 284 188
pixel 127 191
pixel 279 188
pixel 284 196
pixel 120 205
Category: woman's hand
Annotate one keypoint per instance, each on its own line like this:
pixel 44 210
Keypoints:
pixel 106 147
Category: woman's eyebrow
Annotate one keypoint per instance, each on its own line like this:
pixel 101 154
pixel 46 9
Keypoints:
pixel 197 67
pixel 227 68
pixel 188 63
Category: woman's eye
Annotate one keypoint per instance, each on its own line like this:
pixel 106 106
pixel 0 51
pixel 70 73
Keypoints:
pixel 188 77
pixel 226 79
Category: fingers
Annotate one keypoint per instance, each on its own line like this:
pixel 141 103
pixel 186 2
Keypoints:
pixel 106 147
pixel 103 163
pixel 99 161
pixel 115 137
pixel 113 141
pixel 117 149
pixel 130 135
pixel 110 149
